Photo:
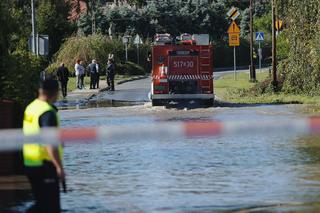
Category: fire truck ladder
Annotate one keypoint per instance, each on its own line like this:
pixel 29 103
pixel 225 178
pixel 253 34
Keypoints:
pixel 205 67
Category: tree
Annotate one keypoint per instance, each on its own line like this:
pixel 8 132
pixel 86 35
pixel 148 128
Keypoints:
pixel 85 23
pixel 139 3
pixel 52 19
pixel 302 67
pixel 6 26
pixel 244 23
pixel 261 8
pixel 217 20
pixel 19 70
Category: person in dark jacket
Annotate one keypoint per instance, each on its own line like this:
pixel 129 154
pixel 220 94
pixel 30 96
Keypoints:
pixel 110 74
pixel 92 68
pixel 63 77
pixel 97 75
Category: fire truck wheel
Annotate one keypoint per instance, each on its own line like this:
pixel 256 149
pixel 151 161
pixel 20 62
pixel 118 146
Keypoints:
pixel 209 102
pixel 156 102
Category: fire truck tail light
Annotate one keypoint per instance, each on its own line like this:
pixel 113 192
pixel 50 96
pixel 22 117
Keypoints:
pixel 163 71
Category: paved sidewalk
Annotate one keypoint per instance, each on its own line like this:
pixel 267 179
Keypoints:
pixel 134 91
pixel 80 97
pixel 87 92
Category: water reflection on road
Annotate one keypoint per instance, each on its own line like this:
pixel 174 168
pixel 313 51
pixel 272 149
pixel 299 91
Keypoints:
pixel 258 172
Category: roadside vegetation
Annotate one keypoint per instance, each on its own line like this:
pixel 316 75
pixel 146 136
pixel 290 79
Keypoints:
pixel 176 17
pixel 298 54
pixel 86 34
pixel 99 47
pixel 243 92
pixel 19 69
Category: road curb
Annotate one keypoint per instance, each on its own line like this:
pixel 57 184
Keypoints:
pixel 133 79
pixel 125 81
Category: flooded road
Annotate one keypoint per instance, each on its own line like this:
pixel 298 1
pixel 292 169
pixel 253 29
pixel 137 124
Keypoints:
pixel 269 173
pixel 272 172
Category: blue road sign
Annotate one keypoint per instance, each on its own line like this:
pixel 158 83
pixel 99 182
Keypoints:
pixel 259 36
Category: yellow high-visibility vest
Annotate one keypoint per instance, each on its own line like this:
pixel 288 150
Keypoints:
pixel 34 154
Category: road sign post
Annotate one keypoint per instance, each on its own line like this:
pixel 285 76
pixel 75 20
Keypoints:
pixel 33 21
pixel 260 55
pixel 234 40
pixel 137 41
pixel 252 67
pixel 234 63
pixel 259 39
pixel 125 40
pixel 274 46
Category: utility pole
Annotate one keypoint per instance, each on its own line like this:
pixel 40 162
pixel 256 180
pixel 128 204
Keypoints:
pixel 274 46
pixel 252 68
pixel 93 8
pixel 234 63
pixel 33 21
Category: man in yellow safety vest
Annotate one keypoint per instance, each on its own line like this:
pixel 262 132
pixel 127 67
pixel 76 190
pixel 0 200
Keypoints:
pixel 43 163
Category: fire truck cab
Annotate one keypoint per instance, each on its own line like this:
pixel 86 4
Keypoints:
pixel 182 69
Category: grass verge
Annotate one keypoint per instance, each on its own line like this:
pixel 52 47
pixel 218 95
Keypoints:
pixel 236 91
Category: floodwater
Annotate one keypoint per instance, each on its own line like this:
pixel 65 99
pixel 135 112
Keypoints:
pixel 243 173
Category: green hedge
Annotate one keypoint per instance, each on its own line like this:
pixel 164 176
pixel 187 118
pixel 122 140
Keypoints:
pixel 20 75
pixel 223 54
pixel 301 41
pixel 98 47
pixel 129 68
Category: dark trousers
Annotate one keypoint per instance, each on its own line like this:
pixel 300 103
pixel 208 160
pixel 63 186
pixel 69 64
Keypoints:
pixel 64 88
pixel 97 79
pixel 45 188
pixel 82 81
pixel 92 80
pixel 110 82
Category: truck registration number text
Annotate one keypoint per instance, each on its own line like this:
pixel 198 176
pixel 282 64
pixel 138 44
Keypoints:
pixel 183 64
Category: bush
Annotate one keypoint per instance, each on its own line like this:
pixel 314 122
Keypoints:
pixel 96 47
pixel 129 68
pixel 223 54
pixel 20 77
pixel 302 63
pixel 283 46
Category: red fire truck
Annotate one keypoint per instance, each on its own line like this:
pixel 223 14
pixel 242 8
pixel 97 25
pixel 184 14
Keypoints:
pixel 182 69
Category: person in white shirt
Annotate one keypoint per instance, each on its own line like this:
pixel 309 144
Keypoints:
pixel 79 69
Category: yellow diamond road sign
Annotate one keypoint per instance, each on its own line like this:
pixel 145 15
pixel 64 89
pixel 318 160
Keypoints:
pixel 234 34
pixel 233 28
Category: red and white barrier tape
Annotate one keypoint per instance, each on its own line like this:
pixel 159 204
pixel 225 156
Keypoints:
pixel 13 139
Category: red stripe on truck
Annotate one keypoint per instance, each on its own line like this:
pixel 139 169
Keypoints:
pixel 212 128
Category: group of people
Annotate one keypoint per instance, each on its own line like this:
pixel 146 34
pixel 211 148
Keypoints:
pixel 93 70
